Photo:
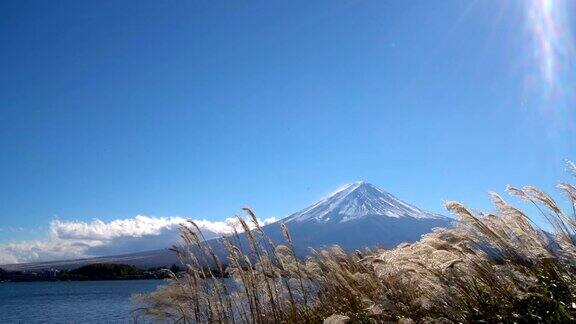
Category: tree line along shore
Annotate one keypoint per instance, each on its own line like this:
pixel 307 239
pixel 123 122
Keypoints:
pixel 97 271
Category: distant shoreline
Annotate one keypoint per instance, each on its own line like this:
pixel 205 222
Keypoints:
pixel 92 272
pixel 77 280
pixel 64 281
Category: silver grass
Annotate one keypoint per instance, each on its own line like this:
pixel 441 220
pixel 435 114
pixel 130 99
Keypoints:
pixel 486 267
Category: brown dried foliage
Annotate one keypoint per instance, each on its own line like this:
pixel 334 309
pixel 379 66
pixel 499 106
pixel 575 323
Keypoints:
pixel 495 267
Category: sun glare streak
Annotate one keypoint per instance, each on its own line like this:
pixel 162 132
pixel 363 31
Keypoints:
pixel 554 53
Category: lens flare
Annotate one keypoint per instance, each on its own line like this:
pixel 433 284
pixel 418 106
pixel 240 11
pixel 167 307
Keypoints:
pixel 553 49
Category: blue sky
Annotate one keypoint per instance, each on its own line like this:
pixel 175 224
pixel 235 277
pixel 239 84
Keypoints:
pixel 197 108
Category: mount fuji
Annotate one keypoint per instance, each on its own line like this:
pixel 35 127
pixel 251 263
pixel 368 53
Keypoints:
pixel 357 215
pixel 356 201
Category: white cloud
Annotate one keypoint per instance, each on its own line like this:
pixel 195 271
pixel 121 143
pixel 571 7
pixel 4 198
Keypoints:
pixel 101 231
pixel 77 239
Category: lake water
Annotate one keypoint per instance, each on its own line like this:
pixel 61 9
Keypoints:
pixel 71 302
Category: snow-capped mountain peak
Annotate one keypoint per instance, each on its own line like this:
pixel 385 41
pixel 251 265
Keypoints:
pixel 358 200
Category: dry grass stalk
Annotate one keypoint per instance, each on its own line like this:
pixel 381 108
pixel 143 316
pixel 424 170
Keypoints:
pixel 495 267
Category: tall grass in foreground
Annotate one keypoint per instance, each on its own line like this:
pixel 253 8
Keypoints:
pixel 493 267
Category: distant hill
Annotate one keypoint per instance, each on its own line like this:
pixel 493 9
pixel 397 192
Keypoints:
pixel 104 271
pixel 144 260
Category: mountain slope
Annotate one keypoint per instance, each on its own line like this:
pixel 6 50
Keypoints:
pixel 356 216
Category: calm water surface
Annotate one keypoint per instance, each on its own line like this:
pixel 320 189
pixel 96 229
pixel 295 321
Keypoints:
pixel 71 302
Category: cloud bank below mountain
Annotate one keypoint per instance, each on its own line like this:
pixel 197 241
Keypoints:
pixel 77 239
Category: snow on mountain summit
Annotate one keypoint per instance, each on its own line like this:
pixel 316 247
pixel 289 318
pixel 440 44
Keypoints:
pixel 357 200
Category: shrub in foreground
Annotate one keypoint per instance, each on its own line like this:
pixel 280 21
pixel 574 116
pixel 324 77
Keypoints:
pixel 490 267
